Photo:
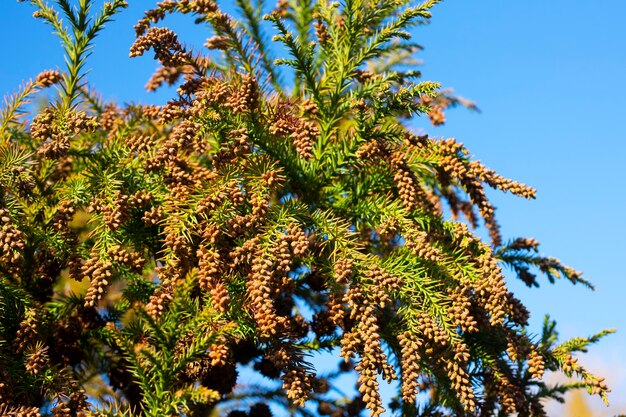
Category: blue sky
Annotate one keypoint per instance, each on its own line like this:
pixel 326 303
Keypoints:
pixel 549 79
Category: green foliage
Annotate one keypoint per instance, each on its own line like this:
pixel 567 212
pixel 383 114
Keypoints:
pixel 76 35
pixel 154 258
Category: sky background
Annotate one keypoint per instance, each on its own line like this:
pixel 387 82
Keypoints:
pixel 549 78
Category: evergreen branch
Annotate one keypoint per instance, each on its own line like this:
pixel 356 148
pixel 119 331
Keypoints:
pixel 52 17
pixel 302 16
pixel 78 44
pixel 167 247
pixel 15 166
pixel 394 29
pixel 93 99
pixel 12 107
pixel 303 56
pixel 580 344
pixel 242 53
pixel 520 257
pixel 69 12
pixel 252 17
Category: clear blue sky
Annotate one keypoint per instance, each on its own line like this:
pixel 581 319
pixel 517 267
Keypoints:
pixel 549 77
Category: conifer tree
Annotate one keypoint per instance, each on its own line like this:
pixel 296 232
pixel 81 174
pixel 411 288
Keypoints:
pixel 196 258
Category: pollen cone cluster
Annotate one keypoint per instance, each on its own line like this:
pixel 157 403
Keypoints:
pixel 194 257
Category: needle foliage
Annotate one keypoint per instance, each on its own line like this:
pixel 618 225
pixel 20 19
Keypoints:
pixel 203 257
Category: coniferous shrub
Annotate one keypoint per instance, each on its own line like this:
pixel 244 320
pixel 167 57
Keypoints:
pixel 156 258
